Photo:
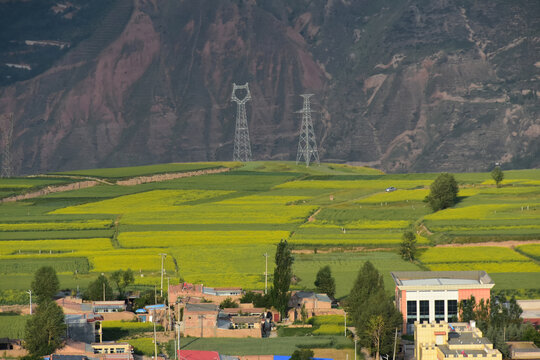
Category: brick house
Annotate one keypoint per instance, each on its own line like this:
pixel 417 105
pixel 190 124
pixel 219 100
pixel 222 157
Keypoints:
pixel 213 294
pixel 315 305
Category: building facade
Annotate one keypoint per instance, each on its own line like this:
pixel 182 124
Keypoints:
pixel 456 341
pixel 434 296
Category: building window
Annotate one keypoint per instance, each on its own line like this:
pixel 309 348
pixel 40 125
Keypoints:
pixel 439 310
pixel 120 350
pixel 452 310
pixel 424 310
pixel 411 312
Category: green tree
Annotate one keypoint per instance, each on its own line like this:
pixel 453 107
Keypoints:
pixel 443 192
pixel 407 248
pixel 45 330
pixel 368 282
pixel 374 331
pixel 122 279
pixel 98 288
pixel 228 303
pixel 45 284
pixel 257 299
pixel 324 281
pixel 282 277
pixel 302 354
pixel 466 309
pixel 368 299
pixel 149 297
pixel 497 175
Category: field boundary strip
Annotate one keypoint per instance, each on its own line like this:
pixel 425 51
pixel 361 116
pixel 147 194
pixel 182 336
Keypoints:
pixel 129 182
pixel 507 244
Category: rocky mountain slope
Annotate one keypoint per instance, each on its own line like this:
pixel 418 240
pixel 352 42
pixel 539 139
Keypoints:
pixel 418 85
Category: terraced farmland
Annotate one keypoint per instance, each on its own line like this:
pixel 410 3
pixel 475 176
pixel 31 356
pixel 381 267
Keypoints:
pixel 215 228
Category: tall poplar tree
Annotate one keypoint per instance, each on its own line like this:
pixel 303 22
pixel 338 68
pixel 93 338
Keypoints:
pixel 282 277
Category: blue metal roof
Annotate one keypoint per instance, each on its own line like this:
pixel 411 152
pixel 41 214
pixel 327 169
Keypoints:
pixel 154 307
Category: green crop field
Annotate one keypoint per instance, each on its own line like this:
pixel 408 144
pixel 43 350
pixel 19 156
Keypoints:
pixel 215 228
pixel 147 170
pixel 12 325
pixel 270 346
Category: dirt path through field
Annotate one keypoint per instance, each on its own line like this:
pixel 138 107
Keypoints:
pixel 508 244
pixel 91 181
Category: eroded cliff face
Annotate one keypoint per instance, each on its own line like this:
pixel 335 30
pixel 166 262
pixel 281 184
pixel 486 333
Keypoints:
pixel 416 86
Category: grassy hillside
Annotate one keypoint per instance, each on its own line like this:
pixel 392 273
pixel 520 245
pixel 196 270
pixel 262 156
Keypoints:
pixel 216 228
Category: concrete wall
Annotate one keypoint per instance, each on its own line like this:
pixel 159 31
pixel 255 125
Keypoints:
pixel 238 333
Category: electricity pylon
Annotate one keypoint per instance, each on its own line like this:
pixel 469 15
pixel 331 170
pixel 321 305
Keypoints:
pixel 242 147
pixel 307 145
pixel 7 137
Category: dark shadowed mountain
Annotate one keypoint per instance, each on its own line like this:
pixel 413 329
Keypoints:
pixel 418 85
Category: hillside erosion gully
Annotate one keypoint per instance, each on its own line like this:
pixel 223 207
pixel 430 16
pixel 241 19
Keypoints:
pixel 95 181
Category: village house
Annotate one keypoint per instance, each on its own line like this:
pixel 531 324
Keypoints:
pixel 433 296
pixel 531 311
pixel 212 294
pixel 108 350
pixel 108 306
pixel 456 341
pixel 207 320
pixel 523 350
pixel 313 303
pixel 200 320
pixel 84 327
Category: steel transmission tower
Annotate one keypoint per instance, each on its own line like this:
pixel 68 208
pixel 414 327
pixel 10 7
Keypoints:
pixel 242 147
pixel 7 137
pixel 307 145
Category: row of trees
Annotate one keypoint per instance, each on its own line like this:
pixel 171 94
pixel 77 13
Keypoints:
pixel 500 321
pixel 372 311
pixel 45 329
pixel 100 289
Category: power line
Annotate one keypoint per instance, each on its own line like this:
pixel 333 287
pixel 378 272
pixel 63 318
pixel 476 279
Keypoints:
pixel 242 147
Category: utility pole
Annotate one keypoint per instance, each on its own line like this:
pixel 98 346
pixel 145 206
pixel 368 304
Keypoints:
pixel 169 324
pixel 355 346
pixel 29 292
pixel 162 258
pixel 155 342
pixel 266 275
pixel 178 338
pixel 103 291
pixel 242 146
pixel 7 138
pixel 345 315
pixel 307 145
pixel 395 344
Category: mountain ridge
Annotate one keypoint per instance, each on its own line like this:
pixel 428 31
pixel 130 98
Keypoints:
pixel 415 86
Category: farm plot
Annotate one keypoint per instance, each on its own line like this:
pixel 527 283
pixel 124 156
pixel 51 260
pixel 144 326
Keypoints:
pixel 15 186
pixel 54 246
pixel 532 250
pixel 30 265
pixel 46 226
pixel 510 214
pixel 490 259
pixel 124 172
pixel 12 325
pixel 345 267
pixel 378 184
pixel 190 238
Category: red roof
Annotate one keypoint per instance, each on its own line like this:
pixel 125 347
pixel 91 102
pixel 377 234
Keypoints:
pixel 198 355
